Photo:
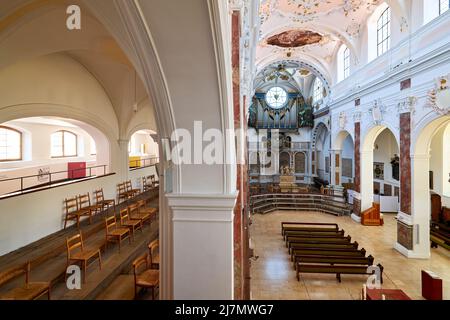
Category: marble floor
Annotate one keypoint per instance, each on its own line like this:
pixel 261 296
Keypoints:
pixel 273 276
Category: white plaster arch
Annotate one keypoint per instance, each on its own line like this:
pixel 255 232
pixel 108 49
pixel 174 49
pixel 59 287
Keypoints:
pixel 420 190
pixel 340 138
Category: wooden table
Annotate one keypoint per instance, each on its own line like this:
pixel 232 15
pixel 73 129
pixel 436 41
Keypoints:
pixel 390 294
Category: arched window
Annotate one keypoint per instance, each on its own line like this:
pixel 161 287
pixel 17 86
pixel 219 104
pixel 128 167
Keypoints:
pixel 443 6
pixel 64 144
pixel 384 31
pixel 343 62
pixel 317 90
pixel 10 144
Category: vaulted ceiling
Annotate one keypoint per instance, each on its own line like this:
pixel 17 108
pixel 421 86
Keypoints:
pixel 310 31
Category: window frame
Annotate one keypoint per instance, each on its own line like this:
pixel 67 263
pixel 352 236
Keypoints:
pixel 316 91
pixel 346 63
pixel 20 145
pixel 441 2
pixel 63 145
pixel 385 29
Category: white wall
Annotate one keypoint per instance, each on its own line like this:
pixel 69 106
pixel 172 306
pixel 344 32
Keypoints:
pixel 142 144
pixel 37 155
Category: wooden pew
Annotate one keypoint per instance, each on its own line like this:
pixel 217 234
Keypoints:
pixel 332 260
pixel 332 246
pixel 327 252
pixel 314 234
pixel 372 216
pixel 336 269
pixel 307 226
pixel 296 239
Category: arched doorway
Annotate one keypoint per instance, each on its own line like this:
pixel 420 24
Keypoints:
pixel 430 171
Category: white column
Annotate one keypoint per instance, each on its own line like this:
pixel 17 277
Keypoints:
pixel 366 179
pixel 123 161
pixel 420 208
pixel 203 261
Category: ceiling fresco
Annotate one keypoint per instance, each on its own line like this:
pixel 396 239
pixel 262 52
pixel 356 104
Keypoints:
pixel 294 38
pixel 310 30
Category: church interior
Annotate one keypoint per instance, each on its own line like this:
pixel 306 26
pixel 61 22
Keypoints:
pixel 314 165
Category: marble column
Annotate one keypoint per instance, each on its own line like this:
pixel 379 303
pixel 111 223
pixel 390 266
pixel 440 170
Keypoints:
pixel 335 158
pixel 405 225
pixel 357 181
pixel 239 118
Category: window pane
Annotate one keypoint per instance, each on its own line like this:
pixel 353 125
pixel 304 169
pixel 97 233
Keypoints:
pixel 70 144
pixel 56 144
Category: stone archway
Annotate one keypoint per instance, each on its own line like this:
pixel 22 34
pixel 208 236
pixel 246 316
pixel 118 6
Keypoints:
pixel 416 225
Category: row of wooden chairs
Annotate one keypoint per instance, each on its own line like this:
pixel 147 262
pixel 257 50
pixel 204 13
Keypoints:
pixel 125 191
pixel 132 218
pixel 81 206
pixel 148 277
pixel 149 182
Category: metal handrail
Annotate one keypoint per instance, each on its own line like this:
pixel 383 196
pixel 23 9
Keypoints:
pixel 50 174
pixel 143 163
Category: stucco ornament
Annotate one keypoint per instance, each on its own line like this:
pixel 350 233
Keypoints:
pixel 377 112
pixel 342 120
pixel 439 96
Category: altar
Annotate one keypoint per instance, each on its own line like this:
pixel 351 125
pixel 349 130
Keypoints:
pixel 287 183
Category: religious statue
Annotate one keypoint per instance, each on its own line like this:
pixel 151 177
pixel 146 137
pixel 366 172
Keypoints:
pixel 286 171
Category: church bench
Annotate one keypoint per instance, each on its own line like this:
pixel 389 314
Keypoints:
pixel 332 260
pixel 306 226
pixel 313 234
pixel 295 240
pixel 338 270
pixel 327 252
pixel 29 291
pixel 332 246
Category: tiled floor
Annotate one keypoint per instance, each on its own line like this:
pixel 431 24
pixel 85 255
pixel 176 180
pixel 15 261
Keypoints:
pixel 273 276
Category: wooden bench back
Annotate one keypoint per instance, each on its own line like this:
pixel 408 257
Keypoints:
pixel 13 273
pixel 71 205
pixel 84 201
pixel 74 243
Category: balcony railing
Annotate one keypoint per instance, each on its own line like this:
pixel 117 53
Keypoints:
pixel 135 164
pixel 45 180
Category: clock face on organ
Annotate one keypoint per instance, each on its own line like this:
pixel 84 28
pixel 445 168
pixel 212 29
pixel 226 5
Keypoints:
pixel 276 97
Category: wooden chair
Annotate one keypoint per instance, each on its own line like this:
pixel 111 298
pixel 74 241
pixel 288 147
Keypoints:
pixel 30 291
pixel 125 221
pixel 73 212
pixel 147 184
pixel 129 188
pixel 104 203
pixel 154 182
pixel 122 193
pixel 84 202
pixel 149 278
pixel 114 233
pixel 77 253
pixel 153 253
pixel 135 214
pixel 144 210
